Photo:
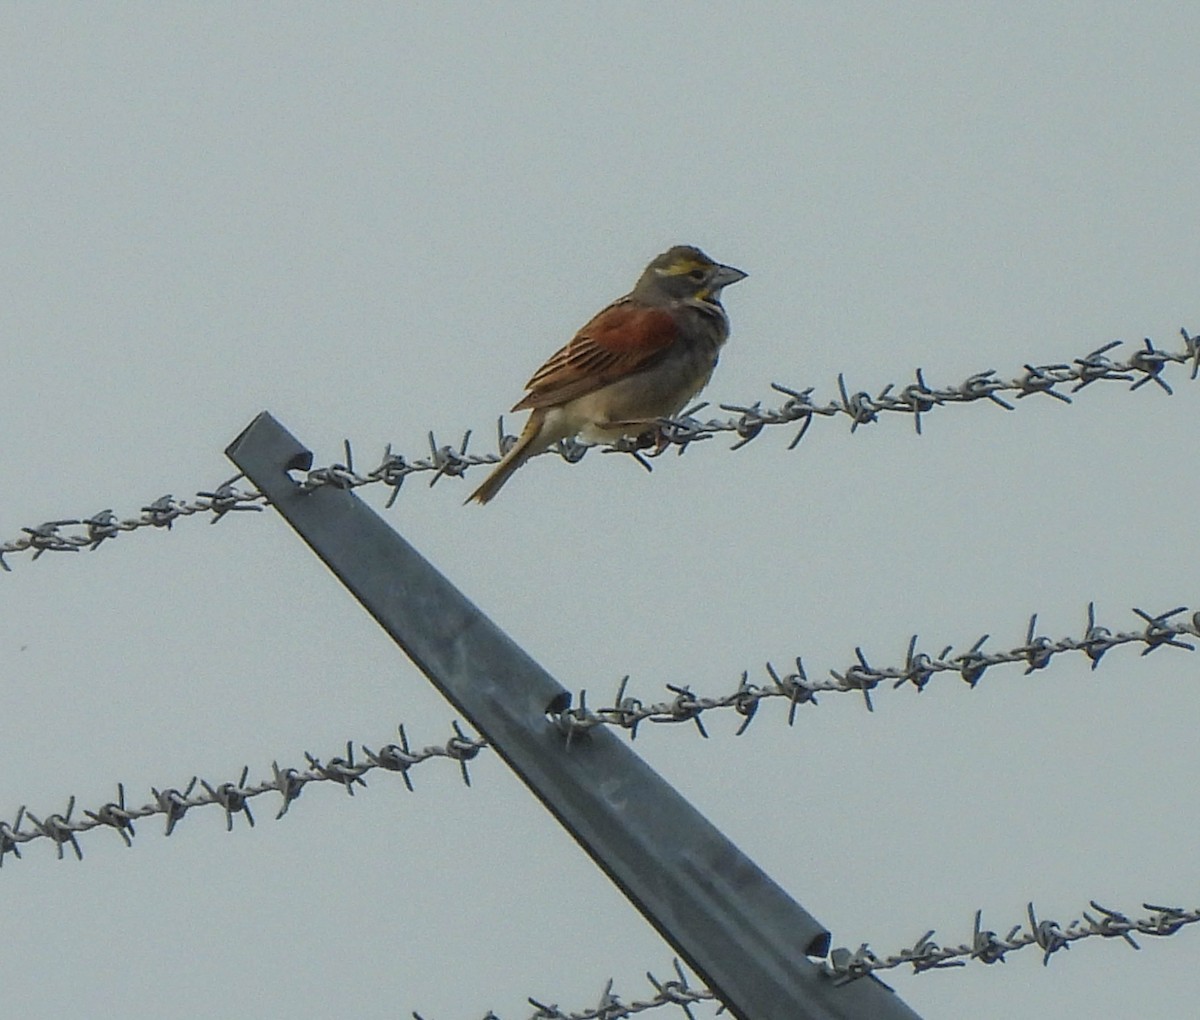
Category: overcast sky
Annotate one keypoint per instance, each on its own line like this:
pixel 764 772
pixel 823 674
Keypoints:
pixel 377 220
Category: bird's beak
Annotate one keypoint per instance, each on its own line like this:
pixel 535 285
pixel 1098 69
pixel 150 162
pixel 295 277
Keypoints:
pixel 724 276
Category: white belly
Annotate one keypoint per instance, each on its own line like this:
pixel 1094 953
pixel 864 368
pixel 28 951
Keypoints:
pixel 632 404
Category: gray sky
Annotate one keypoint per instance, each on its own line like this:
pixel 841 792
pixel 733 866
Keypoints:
pixel 377 220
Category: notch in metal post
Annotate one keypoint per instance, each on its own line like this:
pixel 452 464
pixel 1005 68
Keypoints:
pixel 734 926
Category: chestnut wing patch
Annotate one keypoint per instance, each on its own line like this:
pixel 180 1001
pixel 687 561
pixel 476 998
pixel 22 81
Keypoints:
pixel 622 339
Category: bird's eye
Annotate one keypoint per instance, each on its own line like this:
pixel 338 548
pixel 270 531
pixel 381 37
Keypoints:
pixel 697 275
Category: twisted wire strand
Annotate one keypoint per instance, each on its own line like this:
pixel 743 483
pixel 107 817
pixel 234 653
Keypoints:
pixel 100 527
pixel 747 421
pixel 232 797
pixel 796 688
pixel 678 992
pixel 844 965
pixel 986 946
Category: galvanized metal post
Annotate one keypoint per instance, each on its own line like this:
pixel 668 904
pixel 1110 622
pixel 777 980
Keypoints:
pixel 733 925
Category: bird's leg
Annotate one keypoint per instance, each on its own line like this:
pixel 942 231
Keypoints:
pixel 638 433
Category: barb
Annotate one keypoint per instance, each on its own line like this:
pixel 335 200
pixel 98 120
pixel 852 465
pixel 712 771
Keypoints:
pixel 1145 365
pixel 988 947
pixel 797 688
pixel 233 798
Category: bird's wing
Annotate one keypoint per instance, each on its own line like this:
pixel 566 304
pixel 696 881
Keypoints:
pixel 624 338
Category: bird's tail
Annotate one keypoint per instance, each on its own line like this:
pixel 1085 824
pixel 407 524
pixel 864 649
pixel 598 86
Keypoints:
pixel 509 463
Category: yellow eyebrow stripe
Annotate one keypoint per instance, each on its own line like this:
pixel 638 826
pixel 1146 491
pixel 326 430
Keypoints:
pixel 679 268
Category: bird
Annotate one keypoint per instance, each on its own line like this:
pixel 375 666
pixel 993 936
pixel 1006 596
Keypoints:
pixel 640 359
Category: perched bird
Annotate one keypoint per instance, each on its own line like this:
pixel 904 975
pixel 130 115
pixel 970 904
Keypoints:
pixel 642 358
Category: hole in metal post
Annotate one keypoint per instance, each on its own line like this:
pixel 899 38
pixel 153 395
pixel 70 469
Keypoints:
pixel 818 948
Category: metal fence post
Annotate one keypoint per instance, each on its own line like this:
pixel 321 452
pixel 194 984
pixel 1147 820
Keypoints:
pixel 733 925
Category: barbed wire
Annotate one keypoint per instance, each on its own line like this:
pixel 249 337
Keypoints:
pixel 678 992
pixel 844 965
pixel 105 525
pixel 793 688
pixel 233 797
pixel 797 688
pixel 988 947
pixel 748 421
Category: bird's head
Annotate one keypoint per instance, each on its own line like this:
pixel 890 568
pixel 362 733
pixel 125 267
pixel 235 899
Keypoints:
pixel 685 273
